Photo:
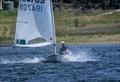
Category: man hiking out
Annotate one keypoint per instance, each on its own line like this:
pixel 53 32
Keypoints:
pixel 63 50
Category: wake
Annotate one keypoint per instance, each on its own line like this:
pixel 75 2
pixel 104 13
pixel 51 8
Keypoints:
pixel 81 56
pixel 26 60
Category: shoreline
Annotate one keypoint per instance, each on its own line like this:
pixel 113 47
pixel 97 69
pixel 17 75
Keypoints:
pixel 73 29
pixel 11 45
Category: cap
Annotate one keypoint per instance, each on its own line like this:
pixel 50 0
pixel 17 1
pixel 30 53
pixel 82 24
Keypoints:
pixel 62 42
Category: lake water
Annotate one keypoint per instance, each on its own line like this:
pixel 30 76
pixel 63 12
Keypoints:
pixel 88 63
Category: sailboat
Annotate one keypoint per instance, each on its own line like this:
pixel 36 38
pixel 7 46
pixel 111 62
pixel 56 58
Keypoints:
pixel 35 25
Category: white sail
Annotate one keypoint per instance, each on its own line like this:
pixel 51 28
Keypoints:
pixel 35 23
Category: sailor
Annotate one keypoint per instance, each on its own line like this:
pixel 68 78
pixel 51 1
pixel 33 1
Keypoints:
pixel 63 49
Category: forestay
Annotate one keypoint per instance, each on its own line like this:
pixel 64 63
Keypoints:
pixel 35 23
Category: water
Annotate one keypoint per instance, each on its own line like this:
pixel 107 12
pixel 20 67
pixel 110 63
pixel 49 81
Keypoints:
pixel 87 63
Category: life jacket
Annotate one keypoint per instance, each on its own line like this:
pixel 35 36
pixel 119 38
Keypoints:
pixel 63 49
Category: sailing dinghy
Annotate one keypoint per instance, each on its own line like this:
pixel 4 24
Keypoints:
pixel 35 26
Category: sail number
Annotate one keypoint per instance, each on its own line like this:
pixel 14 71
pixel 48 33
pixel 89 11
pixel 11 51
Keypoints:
pixel 31 7
pixel 27 5
pixel 36 1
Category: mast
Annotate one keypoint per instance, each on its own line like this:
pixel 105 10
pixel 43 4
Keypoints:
pixel 53 25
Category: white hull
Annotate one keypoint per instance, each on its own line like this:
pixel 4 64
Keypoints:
pixel 54 59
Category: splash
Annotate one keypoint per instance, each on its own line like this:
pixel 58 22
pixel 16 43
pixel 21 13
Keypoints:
pixel 81 56
pixel 7 61
pixel 26 60
pixel 34 60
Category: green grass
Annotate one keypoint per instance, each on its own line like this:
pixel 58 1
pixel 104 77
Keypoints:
pixel 4 14
pixel 67 19
pixel 71 26
pixel 89 38
pixel 7 26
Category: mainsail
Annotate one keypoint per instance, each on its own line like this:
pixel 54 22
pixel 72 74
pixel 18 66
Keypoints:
pixel 35 24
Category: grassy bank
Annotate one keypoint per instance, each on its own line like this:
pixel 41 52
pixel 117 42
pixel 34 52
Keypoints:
pixel 71 26
pixel 7 26
pixel 90 38
pixel 68 22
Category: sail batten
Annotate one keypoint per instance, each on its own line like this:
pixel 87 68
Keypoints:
pixel 34 26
